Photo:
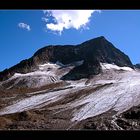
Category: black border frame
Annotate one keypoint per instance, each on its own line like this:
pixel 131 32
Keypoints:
pixel 65 135
pixel 67 4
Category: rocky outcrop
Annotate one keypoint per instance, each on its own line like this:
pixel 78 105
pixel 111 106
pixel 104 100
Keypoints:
pixel 92 52
pixel 85 70
pixel 128 120
pixel 137 66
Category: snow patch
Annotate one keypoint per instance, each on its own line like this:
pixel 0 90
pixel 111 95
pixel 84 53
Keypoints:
pixel 48 66
pixel 113 66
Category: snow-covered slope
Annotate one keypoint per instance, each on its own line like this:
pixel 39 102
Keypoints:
pixel 119 92
pixel 119 96
pixel 45 74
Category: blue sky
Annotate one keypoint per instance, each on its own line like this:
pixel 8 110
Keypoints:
pixel 23 32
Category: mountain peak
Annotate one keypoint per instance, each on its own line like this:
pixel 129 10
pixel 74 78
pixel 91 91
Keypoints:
pixel 100 37
pixel 96 39
pixel 92 53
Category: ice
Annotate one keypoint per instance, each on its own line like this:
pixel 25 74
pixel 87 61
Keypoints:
pixel 120 96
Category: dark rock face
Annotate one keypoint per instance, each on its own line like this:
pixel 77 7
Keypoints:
pixel 105 52
pixel 92 52
pixel 137 66
pixel 23 67
pixel 85 70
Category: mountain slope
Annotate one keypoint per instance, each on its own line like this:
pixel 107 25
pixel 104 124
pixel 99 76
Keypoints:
pixel 73 105
pixel 92 85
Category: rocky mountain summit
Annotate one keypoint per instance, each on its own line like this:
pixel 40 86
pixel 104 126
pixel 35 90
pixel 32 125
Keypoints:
pixel 92 85
pixel 91 52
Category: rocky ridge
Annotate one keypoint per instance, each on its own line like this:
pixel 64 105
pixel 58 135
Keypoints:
pixel 92 52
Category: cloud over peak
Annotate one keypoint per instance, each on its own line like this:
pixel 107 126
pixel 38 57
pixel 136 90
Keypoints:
pixel 24 26
pixel 66 19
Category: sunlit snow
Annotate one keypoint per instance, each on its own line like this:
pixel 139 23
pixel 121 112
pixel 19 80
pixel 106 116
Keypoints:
pixel 120 93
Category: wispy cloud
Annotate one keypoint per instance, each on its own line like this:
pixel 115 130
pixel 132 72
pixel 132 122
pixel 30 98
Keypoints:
pixel 24 26
pixel 66 19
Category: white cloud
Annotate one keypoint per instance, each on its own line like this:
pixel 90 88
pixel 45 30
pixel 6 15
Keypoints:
pixel 66 19
pixel 24 26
